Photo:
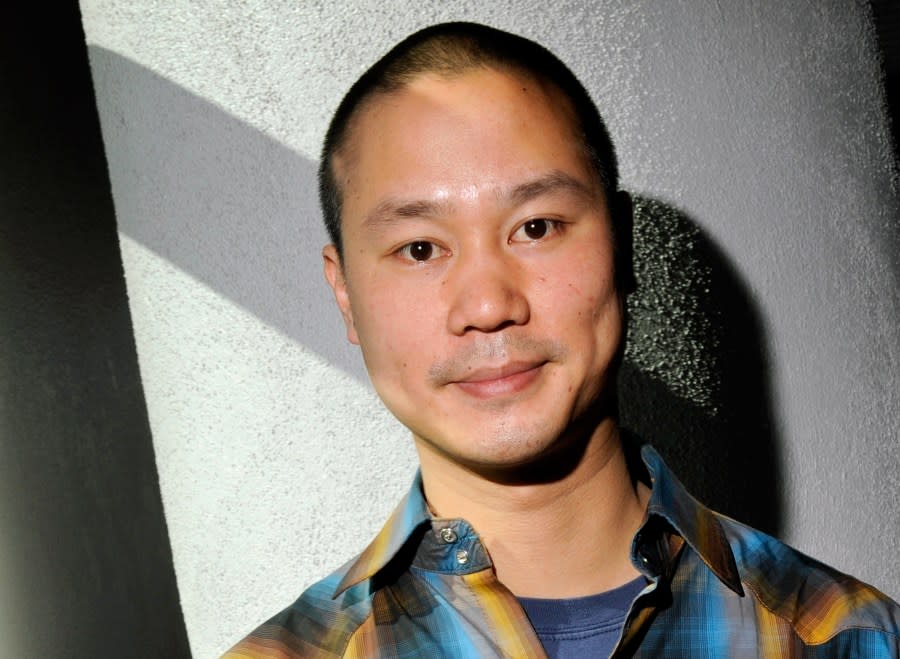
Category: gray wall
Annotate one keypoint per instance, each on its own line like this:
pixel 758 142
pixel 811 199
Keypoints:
pixel 85 564
pixel 765 336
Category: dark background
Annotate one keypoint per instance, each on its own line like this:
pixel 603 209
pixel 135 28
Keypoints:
pixel 85 564
pixel 887 24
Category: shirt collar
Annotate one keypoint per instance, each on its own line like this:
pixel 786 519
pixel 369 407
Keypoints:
pixel 691 520
pixel 409 515
pixel 669 501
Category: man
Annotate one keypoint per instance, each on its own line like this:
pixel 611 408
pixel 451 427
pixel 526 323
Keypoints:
pixel 480 258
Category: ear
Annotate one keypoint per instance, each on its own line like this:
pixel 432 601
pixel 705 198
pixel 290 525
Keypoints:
pixel 623 221
pixel 334 273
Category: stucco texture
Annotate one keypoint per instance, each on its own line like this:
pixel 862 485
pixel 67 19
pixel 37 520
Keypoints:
pixel 765 334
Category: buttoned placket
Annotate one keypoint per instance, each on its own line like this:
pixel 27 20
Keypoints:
pixel 654 552
pixel 454 547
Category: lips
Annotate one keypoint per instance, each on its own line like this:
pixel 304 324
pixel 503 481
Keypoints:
pixel 490 382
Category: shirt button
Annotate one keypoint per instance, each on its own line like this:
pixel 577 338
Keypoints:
pixel 462 556
pixel 448 535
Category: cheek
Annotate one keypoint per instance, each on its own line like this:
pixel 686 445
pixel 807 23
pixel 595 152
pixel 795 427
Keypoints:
pixel 580 290
pixel 393 327
pixel 597 284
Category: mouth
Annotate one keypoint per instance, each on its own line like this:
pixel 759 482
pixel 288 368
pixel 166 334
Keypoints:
pixel 505 380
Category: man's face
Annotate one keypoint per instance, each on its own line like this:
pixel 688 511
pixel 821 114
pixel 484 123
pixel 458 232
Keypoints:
pixel 478 265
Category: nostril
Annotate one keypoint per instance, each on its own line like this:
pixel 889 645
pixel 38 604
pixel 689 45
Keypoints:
pixel 496 328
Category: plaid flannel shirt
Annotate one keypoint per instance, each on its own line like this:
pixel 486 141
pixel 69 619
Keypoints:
pixel 425 587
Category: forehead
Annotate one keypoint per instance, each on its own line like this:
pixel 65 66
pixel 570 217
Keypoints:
pixel 478 127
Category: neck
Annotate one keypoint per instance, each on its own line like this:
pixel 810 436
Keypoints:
pixel 568 537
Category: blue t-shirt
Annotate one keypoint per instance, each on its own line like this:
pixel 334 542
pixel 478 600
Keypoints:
pixel 582 626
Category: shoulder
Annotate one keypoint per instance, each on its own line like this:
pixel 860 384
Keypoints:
pixel 316 625
pixel 819 603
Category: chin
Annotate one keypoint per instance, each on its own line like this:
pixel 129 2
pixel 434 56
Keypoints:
pixel 552 451
pixel 511 455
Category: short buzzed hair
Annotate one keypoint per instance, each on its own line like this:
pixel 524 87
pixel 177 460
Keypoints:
pixel 450 49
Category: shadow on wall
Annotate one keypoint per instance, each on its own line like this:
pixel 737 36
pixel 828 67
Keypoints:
pixel 221 201
pixel 238 211
pixel 695 380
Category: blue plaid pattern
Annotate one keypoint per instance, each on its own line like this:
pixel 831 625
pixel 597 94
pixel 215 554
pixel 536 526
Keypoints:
pixel 715 588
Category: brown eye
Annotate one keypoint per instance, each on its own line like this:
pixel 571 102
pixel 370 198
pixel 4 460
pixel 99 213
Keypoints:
pixel 420 250
pixel 535 229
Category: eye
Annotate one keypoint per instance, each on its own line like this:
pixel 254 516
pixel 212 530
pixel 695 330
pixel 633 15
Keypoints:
pixel 420 251
pixel 535 229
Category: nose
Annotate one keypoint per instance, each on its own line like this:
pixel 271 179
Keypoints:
pixel 487 295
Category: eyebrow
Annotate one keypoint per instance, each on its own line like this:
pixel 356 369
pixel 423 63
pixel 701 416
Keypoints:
pixel 553 181
pixel 391 209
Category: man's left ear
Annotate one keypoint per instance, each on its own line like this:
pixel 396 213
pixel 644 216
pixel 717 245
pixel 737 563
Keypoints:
pixel 622 210
pixel 334 273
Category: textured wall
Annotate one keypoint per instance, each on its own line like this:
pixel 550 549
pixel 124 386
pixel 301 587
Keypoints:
pixel 85 564
pixel 753 133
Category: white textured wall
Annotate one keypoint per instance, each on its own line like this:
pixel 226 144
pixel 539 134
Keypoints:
pixel 762 122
